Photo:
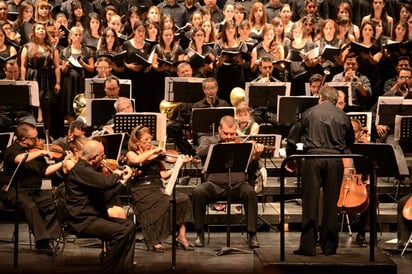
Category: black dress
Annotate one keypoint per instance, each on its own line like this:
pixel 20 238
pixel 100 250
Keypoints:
pixel 152 207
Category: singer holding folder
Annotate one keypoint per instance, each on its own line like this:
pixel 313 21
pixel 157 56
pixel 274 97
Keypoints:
pixel 150 202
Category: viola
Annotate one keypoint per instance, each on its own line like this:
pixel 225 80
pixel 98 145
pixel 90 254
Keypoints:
pixel 407 209
pixel 353 198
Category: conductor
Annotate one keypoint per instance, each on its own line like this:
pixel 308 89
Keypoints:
pixel 323 129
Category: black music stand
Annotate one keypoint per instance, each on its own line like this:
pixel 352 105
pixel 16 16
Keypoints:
pixel 389 107
pixel 265 95
pixel 228 158
pixel 14 182
pixel 126 122
pixel 403 132
pixel 383 158
pixel 94 88
pixel 207 120
pixel 99 111
pixel 112 143
pixel 290 108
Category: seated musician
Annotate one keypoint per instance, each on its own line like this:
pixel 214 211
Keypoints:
pixel 400 88
pixel 151 205
pixel 87 212
pixel 214 188
pixel 36 203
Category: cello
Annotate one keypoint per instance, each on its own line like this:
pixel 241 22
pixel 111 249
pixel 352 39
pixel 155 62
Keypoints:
pixel 353 198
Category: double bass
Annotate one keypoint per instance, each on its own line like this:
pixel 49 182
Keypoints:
pixel 353 198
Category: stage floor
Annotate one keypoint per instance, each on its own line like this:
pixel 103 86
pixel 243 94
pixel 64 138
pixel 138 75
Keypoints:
pixel 80 256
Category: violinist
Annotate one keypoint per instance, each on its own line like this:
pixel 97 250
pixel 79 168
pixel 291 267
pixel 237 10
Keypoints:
pixel 214 188
pixel 151 205
pixel 36 203
pixel 87 212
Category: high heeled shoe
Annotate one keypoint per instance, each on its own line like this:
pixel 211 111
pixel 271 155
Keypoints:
pixel 188 247
pixel 158 249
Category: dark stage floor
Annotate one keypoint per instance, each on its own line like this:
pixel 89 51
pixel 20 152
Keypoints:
pixel 80 256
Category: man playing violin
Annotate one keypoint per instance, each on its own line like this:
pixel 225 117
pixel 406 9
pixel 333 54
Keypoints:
pixel 36 203
pixel 87 210
pixel 214 188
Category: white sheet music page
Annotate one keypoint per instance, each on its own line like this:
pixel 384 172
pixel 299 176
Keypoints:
pixel 173 178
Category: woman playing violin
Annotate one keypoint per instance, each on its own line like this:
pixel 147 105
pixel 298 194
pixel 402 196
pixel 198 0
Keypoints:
pixel 150 204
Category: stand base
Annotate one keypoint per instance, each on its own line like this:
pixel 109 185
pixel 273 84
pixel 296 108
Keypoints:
pixel 230 250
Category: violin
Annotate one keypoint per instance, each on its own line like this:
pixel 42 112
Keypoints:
pixel 407 209
pixel 107 166
pixel 353 196
pixel 55 151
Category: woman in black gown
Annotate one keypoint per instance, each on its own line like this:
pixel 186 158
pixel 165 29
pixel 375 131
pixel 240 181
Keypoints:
pixel 150 203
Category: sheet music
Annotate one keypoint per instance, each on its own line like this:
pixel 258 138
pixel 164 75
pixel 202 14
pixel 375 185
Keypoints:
pixel 173 178
pixel 34 91
pixel 397 131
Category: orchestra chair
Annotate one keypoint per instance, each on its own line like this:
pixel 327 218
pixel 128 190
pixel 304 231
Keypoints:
pixel 67 235
pixel 212 221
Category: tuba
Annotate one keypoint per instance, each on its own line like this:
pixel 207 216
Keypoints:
pixel 172 110
pixel 79 105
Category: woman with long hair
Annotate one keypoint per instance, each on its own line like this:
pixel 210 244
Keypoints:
pixel 379 14
pixel 132 16
pixel 345 10
pixel 110 45
pixel 6 50
pixel 42 13
pixel 77 17
pixel 25 20
pixel 92 33
pixel 40 62
pixel 197 47
pixel 257 20
pixel 151 205
pixel 137 72
pixel 229 67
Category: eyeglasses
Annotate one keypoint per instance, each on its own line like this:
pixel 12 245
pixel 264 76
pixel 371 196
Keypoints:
pixel 33 139
pixel 102 67
pixel 404 77
pixel 210 88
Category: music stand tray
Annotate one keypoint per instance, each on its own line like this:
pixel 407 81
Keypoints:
pixel 272 143
pixel 184 89
pixel 19 93
pixel 291 107
pixel 94 88
pixel 156 122
pixel 205 120
pixel 265 94
pixel 112 143
pixel 228 158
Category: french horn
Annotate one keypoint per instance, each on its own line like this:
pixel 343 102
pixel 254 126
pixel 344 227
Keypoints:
pixel 237 95
pixel 172 110
pixel 79 105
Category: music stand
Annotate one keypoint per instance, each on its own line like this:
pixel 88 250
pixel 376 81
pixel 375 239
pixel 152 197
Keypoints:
pixel 258 95
pixel 14 182
pixel 94 88
pixel 112 143
pixel 207 120
pixel 228 158
pixel 99 111
pixel 290 108
pixel 6 139
pixel 384 158
pixel 184 89
pixel 389 107
pixel 19 93
pixel 365 118
pixel 345 87
pixel 403 131
pixel 156 122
